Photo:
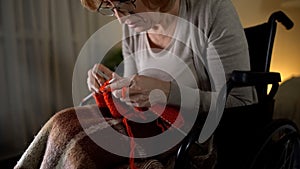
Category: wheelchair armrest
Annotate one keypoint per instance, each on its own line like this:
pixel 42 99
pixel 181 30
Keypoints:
pixel 248 78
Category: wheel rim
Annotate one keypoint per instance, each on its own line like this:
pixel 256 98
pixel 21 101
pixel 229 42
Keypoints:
pixel 278 151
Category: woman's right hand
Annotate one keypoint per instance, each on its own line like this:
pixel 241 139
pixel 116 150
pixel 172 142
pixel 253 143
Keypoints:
pixel 95 79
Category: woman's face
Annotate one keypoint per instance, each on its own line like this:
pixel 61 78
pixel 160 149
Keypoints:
pixel 140 19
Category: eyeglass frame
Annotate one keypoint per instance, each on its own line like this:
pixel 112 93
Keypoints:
pixel 116 7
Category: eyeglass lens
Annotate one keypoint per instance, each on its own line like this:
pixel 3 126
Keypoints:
pixel 124 7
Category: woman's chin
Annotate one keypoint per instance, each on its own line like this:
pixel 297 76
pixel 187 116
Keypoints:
pixel 139 29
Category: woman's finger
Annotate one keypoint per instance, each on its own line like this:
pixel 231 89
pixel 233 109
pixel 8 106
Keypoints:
pixel 117 93
pixel 119 84
pixel 139 98
pixel 139 104
pixel 93 84
pixel 125 96
pixel 97 75
pixel 105 70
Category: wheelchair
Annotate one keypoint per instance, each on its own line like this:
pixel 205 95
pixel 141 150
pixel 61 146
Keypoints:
pixel 259 141
pixel 247 137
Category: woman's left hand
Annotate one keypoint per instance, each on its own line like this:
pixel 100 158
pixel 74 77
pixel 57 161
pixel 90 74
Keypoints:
pixel 140 90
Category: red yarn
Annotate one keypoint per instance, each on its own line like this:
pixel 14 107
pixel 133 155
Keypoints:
pixel 170 115
pixel 132 143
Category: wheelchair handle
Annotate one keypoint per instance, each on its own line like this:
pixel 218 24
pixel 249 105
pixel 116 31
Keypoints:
pixel 282 18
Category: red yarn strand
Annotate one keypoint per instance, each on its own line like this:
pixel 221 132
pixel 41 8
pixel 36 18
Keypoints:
pixel 169 117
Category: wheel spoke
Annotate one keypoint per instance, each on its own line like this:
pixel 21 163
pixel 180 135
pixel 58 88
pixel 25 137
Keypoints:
pixel 279 144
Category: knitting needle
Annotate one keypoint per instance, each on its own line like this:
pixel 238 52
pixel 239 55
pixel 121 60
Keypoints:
pixel 102 74
pixel 85 99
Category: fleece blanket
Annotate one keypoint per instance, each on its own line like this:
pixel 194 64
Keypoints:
pixel 64 142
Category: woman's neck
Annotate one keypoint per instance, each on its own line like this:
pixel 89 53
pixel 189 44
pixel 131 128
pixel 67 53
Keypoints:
pixel 161 34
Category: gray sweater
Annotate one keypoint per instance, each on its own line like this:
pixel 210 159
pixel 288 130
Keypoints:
pixel 207 30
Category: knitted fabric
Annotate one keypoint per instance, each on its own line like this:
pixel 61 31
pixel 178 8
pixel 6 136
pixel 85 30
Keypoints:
pixel 170 115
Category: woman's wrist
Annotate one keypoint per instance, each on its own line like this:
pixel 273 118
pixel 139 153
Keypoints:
pixel 174 97
pixel 166 87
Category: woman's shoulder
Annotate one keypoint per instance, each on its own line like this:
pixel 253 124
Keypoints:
pixel 203 6
pixel 204 2
pixel 203 12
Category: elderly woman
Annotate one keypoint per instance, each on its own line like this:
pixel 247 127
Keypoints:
pixel 177 53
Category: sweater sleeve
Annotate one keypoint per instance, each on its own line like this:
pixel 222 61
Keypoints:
pixel 227 51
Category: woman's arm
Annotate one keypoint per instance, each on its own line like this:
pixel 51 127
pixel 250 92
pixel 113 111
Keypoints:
pixel 222 49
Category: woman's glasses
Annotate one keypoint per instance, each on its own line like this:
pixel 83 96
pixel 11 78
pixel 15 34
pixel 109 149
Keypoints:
pixel 124 6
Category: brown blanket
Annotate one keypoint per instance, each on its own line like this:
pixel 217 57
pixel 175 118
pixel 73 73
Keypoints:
pixel 64 142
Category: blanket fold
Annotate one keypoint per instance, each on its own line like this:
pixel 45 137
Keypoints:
pixel 64 142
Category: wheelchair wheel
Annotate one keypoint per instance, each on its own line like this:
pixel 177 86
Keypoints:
pixel 280 147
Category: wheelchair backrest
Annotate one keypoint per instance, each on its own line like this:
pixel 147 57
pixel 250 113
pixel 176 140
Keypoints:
pixel 260 40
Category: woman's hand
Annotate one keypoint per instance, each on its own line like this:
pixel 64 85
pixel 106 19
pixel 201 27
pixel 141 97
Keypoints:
pixel 140 91
pixel 95 79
